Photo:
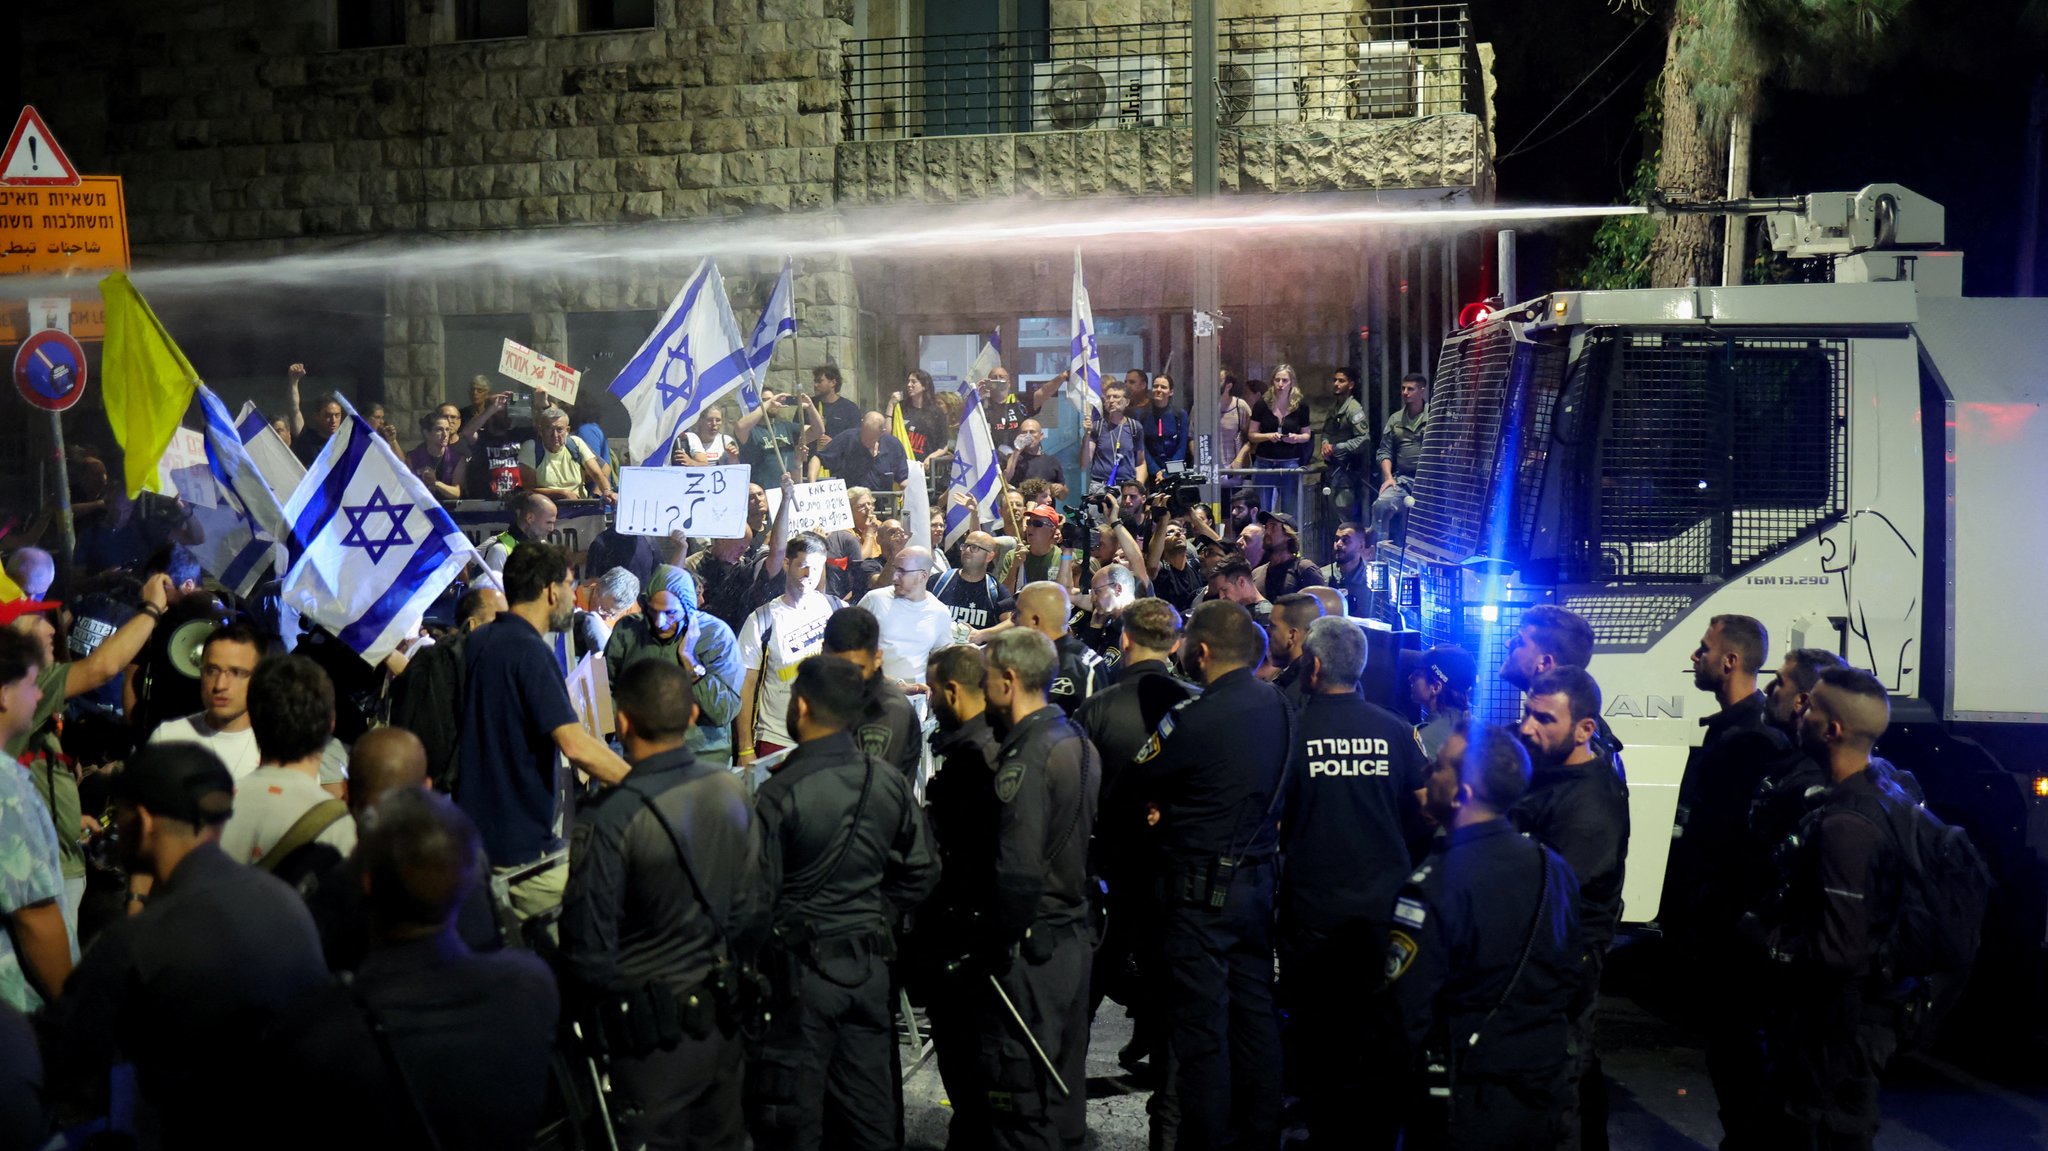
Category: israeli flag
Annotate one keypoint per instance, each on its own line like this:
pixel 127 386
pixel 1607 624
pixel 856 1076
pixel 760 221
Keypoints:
pixel 372 548
pixel 694 356
pixel 245 547
pixel 987 360
pixel 272 456
pixel 974 470
pixel 1084 361
pixel 778 319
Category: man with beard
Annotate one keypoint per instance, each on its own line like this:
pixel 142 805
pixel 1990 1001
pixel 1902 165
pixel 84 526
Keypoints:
pixel 1169 563
pixel 1350 572
pixel 670 627
pixel 1346 450
pixel 1718 870
pixel 533 518
pixel 1292 617
pixel 888 727
pixel 519 727
pixel 1551 637
pixel 1284 572
pixel 1578 807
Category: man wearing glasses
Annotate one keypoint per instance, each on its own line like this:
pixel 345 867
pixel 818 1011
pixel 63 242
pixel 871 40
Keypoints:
pixel 980 604
pixel 914 623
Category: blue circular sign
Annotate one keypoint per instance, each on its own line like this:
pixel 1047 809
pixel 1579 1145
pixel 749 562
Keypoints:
pixel 49 371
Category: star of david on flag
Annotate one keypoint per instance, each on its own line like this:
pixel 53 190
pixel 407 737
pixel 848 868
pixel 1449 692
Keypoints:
pixel 778 319
pixel 974 470
pixel 694 356
pixel 371 546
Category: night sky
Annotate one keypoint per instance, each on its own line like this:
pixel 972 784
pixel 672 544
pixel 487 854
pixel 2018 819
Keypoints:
pixel 1946 115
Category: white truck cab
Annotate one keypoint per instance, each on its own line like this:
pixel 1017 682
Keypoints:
pixel 1860 464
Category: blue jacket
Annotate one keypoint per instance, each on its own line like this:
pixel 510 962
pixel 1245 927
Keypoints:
pixel 1166 434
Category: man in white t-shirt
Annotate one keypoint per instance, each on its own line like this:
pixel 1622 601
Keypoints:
pixel 914 623
pixel 226 661
pixel 776 637
pixel 291 712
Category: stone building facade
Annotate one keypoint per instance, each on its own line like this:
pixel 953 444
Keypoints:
pixel 245 129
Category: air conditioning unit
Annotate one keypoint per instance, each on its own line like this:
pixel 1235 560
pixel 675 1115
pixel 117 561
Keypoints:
pixel 1259 88
pixel 1389 81
pixel 1113 92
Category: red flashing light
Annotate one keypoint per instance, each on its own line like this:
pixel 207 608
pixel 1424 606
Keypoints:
pixel 1472 315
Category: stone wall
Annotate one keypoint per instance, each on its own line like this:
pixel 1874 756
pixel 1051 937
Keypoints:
pixel 1362 155
pixel 241 132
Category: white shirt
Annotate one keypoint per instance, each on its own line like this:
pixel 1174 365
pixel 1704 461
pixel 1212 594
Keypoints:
pixel 911 631
pixel 237 749
pixel 793 633
pixel 267 803
pixel 720 447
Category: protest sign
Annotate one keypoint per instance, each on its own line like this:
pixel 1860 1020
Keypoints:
pixel 708 503
pixel 820 507
pixel 539 372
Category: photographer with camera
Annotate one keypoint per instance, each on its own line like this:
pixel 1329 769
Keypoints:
pixel 660 922
pixel 1178 517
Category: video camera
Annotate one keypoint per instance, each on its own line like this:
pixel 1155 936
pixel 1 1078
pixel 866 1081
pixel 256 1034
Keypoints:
pixel 1177 491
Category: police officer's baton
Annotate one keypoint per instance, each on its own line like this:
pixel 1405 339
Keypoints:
pixel 1028 1037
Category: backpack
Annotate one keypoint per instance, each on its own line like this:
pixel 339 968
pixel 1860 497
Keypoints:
pixel 1943 889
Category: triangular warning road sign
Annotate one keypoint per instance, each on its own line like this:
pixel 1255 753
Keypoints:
pixel 32 156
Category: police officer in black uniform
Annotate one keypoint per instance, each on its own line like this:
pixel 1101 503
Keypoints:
pixel 961 803
pixel 889 728
pixel 1039 940
pixel 844 853
pixel 661 913
pixel 1830 939
pixel 1718 871
pixel 1353 789
pixel 1484 961
pixel 1577 805
pixel 1215 767
pixel 1045 606
pixel 1119 719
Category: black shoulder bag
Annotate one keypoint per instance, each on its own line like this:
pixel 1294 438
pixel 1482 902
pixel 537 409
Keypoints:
pixel 1441 1066
pixel 739 993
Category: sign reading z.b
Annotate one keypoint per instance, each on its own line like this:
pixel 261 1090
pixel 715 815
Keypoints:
pixel 706 503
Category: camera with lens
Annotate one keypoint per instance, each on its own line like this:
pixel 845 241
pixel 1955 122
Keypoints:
pixel 1083 528
pixel 1181 491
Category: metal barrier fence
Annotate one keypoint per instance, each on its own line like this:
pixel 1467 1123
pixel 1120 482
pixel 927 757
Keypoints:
pixel 1388 63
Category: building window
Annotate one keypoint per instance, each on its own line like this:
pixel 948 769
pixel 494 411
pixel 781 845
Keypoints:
pixel 489 19
pixel 615 15
pixel 369 23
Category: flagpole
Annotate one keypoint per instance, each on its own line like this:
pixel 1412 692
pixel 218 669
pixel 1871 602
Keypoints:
pixel 67 532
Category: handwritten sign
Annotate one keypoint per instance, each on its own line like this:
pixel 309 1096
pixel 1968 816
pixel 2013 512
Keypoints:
pixel 539 372
pixel 708 503
pixel 820 507
pixel 183 472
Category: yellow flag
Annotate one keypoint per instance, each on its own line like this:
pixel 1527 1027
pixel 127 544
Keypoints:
pixel 9 590
pixel 901 431
pixel 148 381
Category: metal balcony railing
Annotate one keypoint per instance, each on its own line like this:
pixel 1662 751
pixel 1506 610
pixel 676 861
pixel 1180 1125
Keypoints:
pixel 1389 63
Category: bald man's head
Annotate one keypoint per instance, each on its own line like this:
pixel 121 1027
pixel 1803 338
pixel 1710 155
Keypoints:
pixel 872 426
pixel 1044 606
pixel 384 760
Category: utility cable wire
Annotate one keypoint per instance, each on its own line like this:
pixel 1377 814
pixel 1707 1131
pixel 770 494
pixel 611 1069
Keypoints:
pixel 1575 88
